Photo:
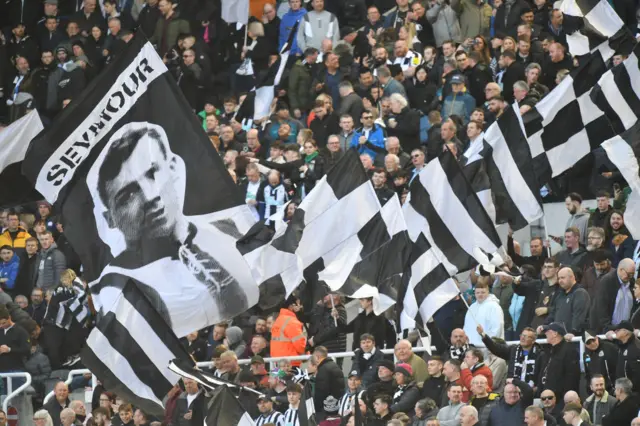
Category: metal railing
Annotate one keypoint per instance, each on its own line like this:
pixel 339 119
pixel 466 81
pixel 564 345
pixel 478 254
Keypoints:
pixel 70 377
pixel 13 393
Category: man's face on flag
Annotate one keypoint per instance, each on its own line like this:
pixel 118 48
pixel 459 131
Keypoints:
pixel 142 197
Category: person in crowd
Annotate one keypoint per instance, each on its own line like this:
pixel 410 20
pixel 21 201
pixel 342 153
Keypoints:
pixel 535 416
pixel 366 358
pixel 600 402
pixel 9 266
pixel 571 305
pixel 600 266
pixel 600 359
pixel 384 384
pixel 294 398
pixel 404 354
pixel 406 393
pixel 618 239
pixel 485 311
pixel 50 263
pixel 571 415
pixel 347 401
pixel 559 367
pixel 267 414
pixel 572 397
pixel 626 409
pixel 449 412
pixel 511 407
pixel 523 359
pixel 434 387
pixel 575 254
pixel 382 408
pixel 474 366
pixel 59 402
pixel 482 398
pixel 14 235
pixel 370 323
pixel 326 321
pixel 614 300
pixel 539 294
pixel 287 338
pixel 329 381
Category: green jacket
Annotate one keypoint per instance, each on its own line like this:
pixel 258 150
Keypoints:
pixel 299 84
pixel 474 19
pixel 176 26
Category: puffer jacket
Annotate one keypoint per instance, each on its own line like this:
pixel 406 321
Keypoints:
pixel 235 341
pixel 460 104
pixel 38 365
pixel 445 23
pixel 474 18
pixel 54 265
pixel 404 400
pixel 18 243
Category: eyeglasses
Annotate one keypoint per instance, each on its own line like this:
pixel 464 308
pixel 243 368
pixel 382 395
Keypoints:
pixel 547 398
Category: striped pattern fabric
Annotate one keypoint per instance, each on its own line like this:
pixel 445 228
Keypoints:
pixel 76 307
pixel 224 409
pixel 132 346
pixel 447 224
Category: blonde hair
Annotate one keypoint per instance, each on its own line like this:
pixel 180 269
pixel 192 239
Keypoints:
pixel 67 277
pixel 306 135
pixel 256 28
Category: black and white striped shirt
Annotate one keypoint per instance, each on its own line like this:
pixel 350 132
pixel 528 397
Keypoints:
pixel 411 59
pixel 273 417
pixel 344 405
pixel 291 418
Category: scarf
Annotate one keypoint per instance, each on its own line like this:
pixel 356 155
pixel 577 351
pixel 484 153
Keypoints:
pixel 524 365
pixel 309 158
pixel 458 353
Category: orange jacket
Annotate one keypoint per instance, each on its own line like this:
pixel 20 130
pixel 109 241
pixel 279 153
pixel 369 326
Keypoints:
pixel 287 338
pixel 19 243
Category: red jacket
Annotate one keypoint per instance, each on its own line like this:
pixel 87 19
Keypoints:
pixel 467 375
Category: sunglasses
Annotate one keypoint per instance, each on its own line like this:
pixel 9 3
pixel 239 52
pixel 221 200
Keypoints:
pixel 546 398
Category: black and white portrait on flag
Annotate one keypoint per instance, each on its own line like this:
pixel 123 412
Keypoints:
pixel 145 195
pixel 137 186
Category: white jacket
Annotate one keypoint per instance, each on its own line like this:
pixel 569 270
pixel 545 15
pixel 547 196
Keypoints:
pixel 490 316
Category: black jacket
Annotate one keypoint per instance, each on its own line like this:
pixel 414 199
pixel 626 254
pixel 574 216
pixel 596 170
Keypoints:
pixel 329 381
pixel 623 412
pixel 513 73
pixel 26 274
pixel 535 261
pixel 509 354
pixel 325 332
pixel 196 408
pixel 54 408
pixel 603 361
pixel 407 129
pixel 560 368
pixel 605 302
pixel 18 340
pixel 197 348
pixel 512 17
pixel 323 127
pixel 367 368
pixel 478 77
pixel 629 361
pixel 404 400
pixel 538 294
pixel 376 325
pixel 434 388
pixel 422 95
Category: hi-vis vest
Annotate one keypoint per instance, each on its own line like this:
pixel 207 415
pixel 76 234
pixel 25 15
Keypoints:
pixel 287 337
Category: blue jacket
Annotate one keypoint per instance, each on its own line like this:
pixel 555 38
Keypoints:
pixel 460 104
pixel 375 140
pixel 287 23
pixel 10 270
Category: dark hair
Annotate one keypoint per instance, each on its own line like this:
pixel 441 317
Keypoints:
pixel 118 153
pixel 497 98
pixel 600 255
pixel 455 363
pixel 6 247
pixel 384 398
pixel 602 193
pixel 294 387
pixel 278 145
pixel 101 410
pixel 553 260
pixel 574 196
pixel 367 336
pixel 321 350
pixel 378 170
pixel 4 312
pixel 477 353
pixel 460 53
pixel 125 407
pixel 509 54
pixel 310 51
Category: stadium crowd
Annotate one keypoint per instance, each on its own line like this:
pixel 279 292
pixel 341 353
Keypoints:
pixel 400 82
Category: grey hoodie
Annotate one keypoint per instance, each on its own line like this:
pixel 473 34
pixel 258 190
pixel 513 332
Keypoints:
pixel 49 266
pixel 581 221
pixel 234 338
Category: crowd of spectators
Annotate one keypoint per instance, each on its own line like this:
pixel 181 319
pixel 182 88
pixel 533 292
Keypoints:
pixel 400 82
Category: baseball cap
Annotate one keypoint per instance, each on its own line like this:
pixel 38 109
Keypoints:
pixel 353 373
pixel 262 398
pixel 589 335
pixel 457 79
pixel 55 2
pixel 257 359
pixel 555 326
pixel 624 325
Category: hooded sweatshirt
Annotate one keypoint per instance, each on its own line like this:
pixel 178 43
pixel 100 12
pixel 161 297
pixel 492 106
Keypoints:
pixel 489 314
pixel 234 339
pixel 581 221
pixel 9 270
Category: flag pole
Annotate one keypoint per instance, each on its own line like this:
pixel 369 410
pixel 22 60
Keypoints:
pixel 468 308
pixel 333 306
pixel 546 233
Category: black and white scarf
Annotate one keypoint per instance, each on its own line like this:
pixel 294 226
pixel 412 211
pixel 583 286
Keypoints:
pixel 458 353
pixel 524 366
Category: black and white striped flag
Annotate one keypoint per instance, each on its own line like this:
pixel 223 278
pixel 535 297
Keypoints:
pixel 14 143
pixel 601 23
pixel 320 225
pixel 185 368
pixel 447 224
pixel 376 256
pixel 257 103
pixel 224 409
pixel 74 308
pixel 624 151
pixel 131 348
pixel 514 184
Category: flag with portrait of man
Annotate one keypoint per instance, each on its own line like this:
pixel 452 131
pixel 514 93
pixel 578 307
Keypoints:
pixel 147 201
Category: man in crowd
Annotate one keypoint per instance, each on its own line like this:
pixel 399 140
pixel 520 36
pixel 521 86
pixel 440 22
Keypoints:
pixel 600 403
pixel 14 235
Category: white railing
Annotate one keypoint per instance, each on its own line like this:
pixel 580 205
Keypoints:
pixel 13 393
pixel 70 377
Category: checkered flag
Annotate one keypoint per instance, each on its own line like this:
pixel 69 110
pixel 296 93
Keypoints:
pixel 566 124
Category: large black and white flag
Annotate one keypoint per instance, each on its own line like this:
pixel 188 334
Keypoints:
pixel 130 349
pixel 618 93
pixel 224 409
pixel 601 23
pixel 319 225
pixel 14 143
pixel 257 104
pixel 448 225
pixel 566 125
pixel 624 151
pixel 374 257
pixel 232 11
pixel 147 203
pixel 145 196
pixel 514 184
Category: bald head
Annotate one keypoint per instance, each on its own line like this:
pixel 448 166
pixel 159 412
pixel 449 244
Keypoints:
pixel 566 278
pixel 626 269
pixel 572 397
